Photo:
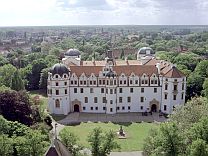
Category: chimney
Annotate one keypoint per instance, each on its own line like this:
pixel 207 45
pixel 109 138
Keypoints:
pixel 158 67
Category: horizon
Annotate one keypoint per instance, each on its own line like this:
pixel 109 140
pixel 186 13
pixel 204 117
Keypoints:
pixel 102 12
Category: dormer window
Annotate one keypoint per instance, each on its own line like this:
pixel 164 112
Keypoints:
pixel 57 76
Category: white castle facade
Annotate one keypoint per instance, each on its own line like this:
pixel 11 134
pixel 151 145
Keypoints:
pixel 115 86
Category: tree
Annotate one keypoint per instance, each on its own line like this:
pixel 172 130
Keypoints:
pixel 3 61
pixel 102 144
pixel 69 139
pixel 17 82
pixel 32 143
pixel 6 148
pixel 44 79
pixel 198 148
pixel 205 87
pixel 16 106
pixel 33 77
pixel 6 73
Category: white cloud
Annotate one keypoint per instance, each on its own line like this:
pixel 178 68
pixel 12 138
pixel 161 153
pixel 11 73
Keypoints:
pixel 74 12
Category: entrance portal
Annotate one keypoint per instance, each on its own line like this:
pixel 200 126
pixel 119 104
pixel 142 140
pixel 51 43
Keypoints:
pixel 76 108
pixel 154 108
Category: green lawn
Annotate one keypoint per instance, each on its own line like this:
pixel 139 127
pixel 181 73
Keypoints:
pixel 136 133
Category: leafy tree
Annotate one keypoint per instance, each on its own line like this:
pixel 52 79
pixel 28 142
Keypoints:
pixel 3 61
pixel 6 73
pixel 205 87
pixel 44 79
pixel 33 143
pixel 6 148
pixel 34 76
pixel 202 69
pixel 102 144
pixel 17 82
pixel 198 148
pixel 54 51
pixel 15 106
pixel 69 139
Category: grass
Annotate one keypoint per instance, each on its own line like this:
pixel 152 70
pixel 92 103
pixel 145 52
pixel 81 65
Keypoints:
pixel 136 133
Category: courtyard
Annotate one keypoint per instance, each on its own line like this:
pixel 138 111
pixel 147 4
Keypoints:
pixel 76 118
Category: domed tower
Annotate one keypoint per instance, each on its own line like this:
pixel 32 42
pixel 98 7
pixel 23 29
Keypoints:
pixel 58 89
pixel 72 56
pixel 145 52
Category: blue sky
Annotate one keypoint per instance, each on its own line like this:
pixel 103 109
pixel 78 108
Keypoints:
pixel 99 12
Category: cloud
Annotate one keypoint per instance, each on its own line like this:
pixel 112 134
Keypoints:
pixel 94 12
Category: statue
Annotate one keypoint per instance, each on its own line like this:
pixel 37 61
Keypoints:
pixel 121 131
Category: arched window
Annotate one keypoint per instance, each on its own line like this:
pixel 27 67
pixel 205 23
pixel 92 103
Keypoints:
pixel 57 103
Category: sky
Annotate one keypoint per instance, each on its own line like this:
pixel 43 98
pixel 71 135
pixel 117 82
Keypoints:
pixel 103 12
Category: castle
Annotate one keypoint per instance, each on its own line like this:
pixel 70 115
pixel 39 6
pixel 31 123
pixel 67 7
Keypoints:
pixel 115 86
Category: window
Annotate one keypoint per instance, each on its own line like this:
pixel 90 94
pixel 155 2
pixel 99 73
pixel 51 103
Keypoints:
pixel 57 92
pixel 152 82
pixel 111 109
pixel 131 82
pixel 90 82
pixel 102 90
pixel 100 82
pixel 81 90
pixel 75 90
pixel 142 90
pixel 72 82
pixel 120 90
pixel 95 99
pixel 65 83
pixel 155 81
pixel 65 91
pixel 86 99
pixel 96 108
pixel 111 82
pixel 104 108
pixel 120 99
pixel 103 82
pixel 123 108
pixel 142 81
pixel 136 81
pixel 57 76
pixel 115 91
pixel 83 108
pixel 104 100
pixel 64 76
pixel 141 99
pixel 166 96
pixel 91 108
pixel 85 82
pixel 124 81
pixel 174 97
pixel 129 107
pixel 111 101
pixel 106 90
pixel 107 82
pixel 75 82
pixel 80 82
pixel 182 96
pixel 166 86
pixel 146 82
pixel 91 90
pixel 56 83
pixel 57 103
pixel 141 107
pixel 111 91
pixel 165 107
pixel 94 82
pixel 131 90
pixel 175 87
pixel 114 82
pixel 182 86
pixel 118 108
pixel 129 99
pixel 155 90
pixel 120 82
